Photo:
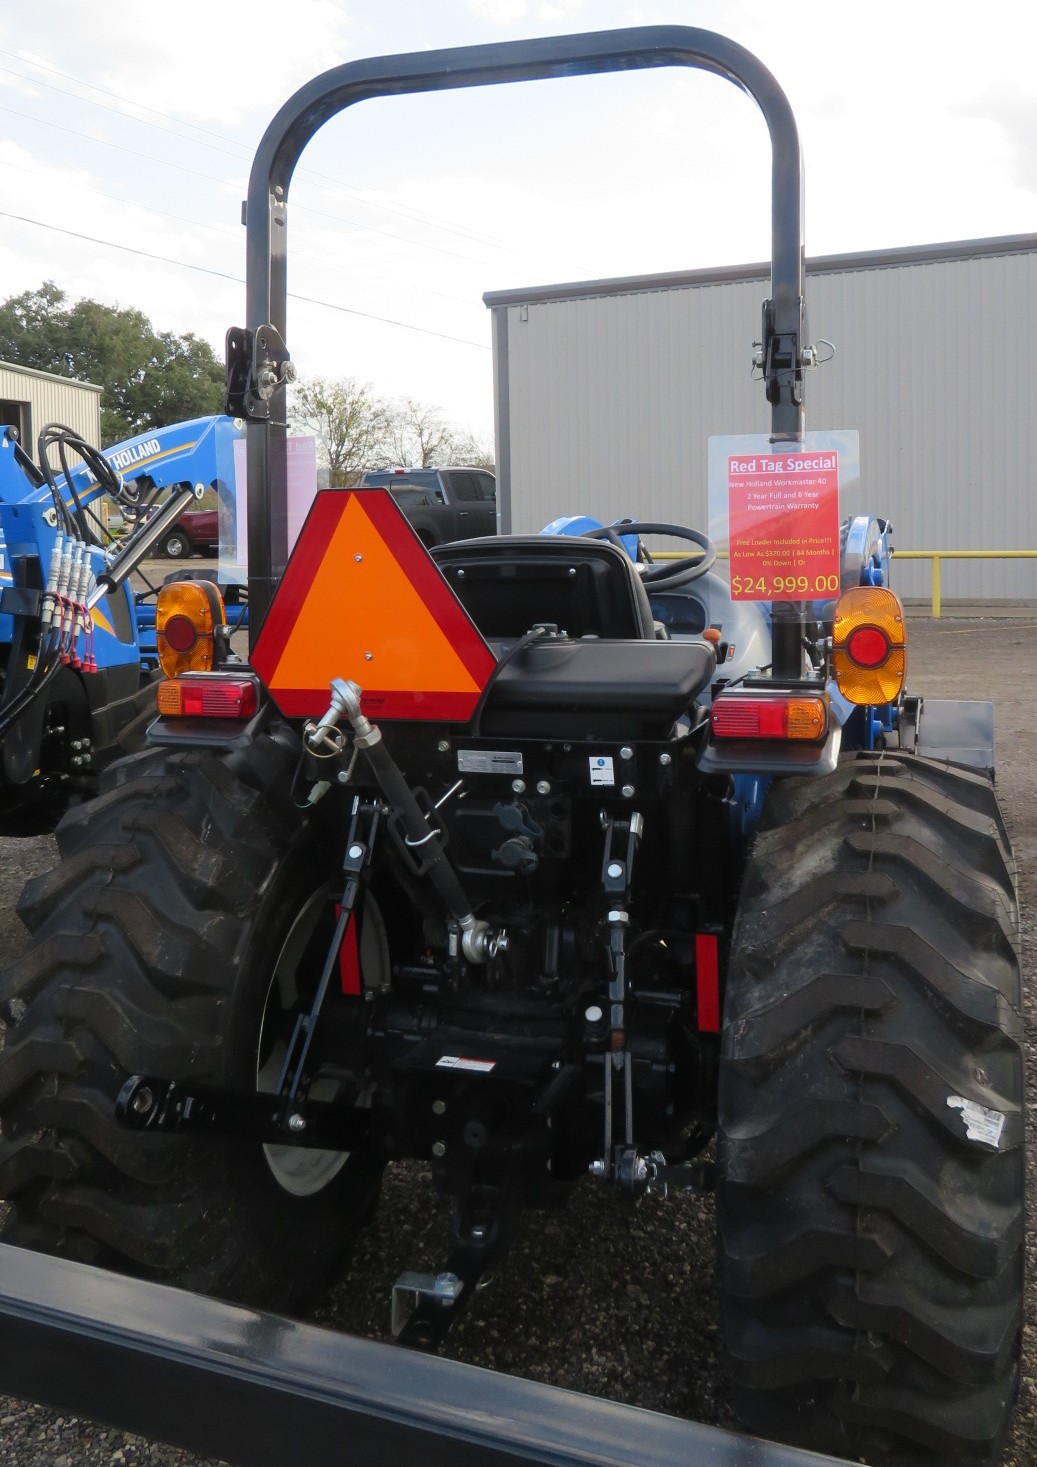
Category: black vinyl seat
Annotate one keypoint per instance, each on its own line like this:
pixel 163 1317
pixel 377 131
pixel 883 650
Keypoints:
pixel 606 676
pixel 511 583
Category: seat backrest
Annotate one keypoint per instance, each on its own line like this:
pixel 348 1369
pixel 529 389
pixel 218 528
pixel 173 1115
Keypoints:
pixel 510 583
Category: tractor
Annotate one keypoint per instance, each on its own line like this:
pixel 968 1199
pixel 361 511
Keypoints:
pixel 77 643
pixel 479 858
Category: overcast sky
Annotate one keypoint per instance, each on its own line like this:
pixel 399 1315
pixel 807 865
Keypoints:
pixel 127 133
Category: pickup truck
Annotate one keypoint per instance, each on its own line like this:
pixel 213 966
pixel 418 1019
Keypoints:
pixel 196 532
pixel 441 504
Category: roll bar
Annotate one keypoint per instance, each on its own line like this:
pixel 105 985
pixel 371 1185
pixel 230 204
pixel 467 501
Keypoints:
pixel 258 361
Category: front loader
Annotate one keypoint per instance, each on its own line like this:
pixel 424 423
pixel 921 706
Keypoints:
pixel 77 641
pixel 470 862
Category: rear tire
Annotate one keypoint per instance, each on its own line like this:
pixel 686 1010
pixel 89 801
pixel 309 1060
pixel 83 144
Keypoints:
pixel 171 941
pixel 870 1176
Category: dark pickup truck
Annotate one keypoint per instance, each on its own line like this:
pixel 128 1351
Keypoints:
pixel 441 504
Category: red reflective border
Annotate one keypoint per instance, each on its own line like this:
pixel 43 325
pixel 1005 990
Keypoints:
pixel 412 557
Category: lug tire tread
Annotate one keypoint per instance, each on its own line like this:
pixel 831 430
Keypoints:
pixel 870 1246
pixel 143 942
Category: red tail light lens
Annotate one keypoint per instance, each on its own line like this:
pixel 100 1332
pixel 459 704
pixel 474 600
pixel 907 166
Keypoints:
pixel 212 696
pixel 868 646
pixel 769 716
pixel 180 633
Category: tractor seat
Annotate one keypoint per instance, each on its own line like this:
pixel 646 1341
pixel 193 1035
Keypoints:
pixel 606 676
pixel 511 583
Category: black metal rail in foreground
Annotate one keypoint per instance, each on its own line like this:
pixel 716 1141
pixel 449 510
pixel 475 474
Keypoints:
pixel 261 1390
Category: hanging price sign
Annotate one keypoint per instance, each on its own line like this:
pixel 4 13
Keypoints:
pixel 783 510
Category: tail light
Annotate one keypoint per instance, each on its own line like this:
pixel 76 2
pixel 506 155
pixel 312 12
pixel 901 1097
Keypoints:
pixel 209 695
pixel 777 715
pixel 869 652
pixel 189 622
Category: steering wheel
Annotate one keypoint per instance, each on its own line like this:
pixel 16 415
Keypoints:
pixel 666 574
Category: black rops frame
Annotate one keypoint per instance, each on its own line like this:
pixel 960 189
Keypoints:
pixel 258 364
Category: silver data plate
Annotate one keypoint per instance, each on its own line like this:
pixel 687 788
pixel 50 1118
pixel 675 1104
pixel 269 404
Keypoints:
pixel 488 761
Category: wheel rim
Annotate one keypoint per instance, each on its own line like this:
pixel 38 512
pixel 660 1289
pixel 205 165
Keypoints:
pixel 174 549
pixel 303 1171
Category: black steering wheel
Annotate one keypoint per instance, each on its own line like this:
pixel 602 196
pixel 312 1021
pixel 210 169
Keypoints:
pixel 662 575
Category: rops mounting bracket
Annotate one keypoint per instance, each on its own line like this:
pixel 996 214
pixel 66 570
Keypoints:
pixel 258 363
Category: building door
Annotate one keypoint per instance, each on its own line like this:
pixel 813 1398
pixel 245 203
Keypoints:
pixel 17 415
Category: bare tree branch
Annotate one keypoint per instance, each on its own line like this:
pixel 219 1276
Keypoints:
pixel 355 430
pixel 349 423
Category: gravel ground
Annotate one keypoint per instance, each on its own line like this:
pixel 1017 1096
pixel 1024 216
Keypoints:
pixel 600 1298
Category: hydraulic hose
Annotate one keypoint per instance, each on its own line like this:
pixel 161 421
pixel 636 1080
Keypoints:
pixel 477 941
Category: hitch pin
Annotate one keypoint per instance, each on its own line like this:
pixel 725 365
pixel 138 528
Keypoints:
pixel 323 740
pixel 325 734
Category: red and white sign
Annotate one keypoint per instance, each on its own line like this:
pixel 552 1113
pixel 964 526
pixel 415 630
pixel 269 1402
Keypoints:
pixel 783 512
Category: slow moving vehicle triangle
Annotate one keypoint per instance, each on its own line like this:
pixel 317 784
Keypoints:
pixel 361 599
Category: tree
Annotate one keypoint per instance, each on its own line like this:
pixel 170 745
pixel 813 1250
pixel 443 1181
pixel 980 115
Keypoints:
pixel 475 453
pixel 349 423
pixel 355 430
pixel 148 378
pixel 420 437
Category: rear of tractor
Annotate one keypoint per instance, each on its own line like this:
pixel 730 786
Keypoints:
pixel 469 863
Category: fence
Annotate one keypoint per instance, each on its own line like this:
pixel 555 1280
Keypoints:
pixel 938 556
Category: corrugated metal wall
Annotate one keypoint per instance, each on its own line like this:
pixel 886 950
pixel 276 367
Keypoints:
pixel 606 401
pixel 53 400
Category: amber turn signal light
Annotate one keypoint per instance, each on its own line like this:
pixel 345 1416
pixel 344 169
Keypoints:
pixel 869 650
pixel 189 621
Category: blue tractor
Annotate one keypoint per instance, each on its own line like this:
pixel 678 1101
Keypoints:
pixel 471 864
pixel 78 661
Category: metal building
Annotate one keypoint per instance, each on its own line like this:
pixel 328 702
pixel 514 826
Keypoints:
pixel 607 391
pixel 30 399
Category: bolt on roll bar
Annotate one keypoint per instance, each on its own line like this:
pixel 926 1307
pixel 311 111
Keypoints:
pixel 258 361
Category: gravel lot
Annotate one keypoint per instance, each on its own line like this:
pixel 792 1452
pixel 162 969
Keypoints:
pixel 599 1298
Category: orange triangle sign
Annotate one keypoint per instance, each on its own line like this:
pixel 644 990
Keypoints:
pixel 362 599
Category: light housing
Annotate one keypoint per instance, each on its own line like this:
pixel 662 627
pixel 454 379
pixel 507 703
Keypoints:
pixel 189 627
pixel 209 695
pixel 869 649
pixel 779 714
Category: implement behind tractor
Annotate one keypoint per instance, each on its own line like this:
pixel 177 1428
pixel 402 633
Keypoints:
pixel 484 858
